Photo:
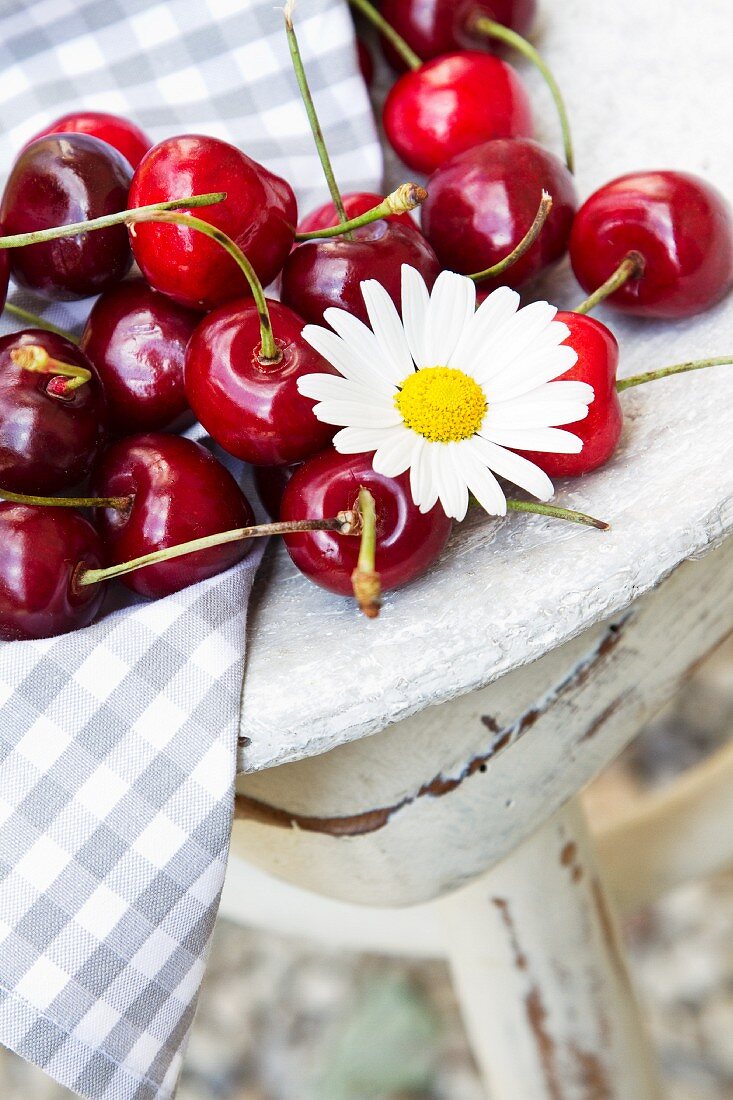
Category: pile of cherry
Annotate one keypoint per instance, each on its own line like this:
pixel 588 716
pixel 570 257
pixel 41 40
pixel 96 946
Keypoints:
pixel 193 337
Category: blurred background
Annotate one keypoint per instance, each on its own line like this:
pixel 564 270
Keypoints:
pixel 281 1020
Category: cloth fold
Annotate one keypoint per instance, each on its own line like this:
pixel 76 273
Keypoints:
pixel 118 743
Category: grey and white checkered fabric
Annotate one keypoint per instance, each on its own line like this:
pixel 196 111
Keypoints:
pixel 118 743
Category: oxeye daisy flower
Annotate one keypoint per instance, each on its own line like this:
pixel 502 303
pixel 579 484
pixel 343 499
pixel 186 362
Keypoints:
pixel 449 391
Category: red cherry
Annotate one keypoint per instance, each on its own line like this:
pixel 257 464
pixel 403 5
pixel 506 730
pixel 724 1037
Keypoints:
pixel 253 409
pixel 328 272
pixel 49 438
pixel 408 542
pixel 435 27
pixel 259 214
pixel 55 181
pixel 181 492
pixel 601 430
pixel 137 340
pixel 41 550
pixel 355 203
pixel 681 226
pixel 4 273
pixel 482 202
pixel 270 483
pixel 366 64
pixel 120 133
pixel 451 104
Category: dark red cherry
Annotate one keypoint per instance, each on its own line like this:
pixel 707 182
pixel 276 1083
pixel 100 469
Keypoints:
pixel 408 542
pixel 324 273
pixel 181 493
pixel 62 179
pixel 137 340
pixel 482 202
pixel 355 203
pixel 366 64
pixel 259 214
pixel 601 430
pixel 681 226
pixel 120 133
pixel 270 483
pixel 41 550
pixel 4 273
pixel 435 27
pixel 49 437
pixel 451 104
pixel 252 409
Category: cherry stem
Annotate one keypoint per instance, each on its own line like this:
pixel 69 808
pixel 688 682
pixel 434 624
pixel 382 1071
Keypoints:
pixel 345 523
pixel 310 110
pixel 38 322
pixel 377 20
pixel 122 504
pixel 365 579
pixel 524 245
pixel 34 358
pixel 631 267
pixel 678 368
pixel 555 512
pixel 481 24
pixel 408 196
pixel 122 217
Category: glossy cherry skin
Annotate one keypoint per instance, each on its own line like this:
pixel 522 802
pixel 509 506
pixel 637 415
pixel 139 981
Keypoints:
pixel 57 180
pixel 41 550
pixel 435 27
pixel 254 410
pixel 259 214
pixel 270 483
pixel 137 340
pixel 181 492
pixel 601 430
pixel 355 203
pixel 408 542
pixel 48 442
pixel 451 104
pixel 683 229
pixel 120 133
pixel 482 202
pixel 4 273
pixel 324 273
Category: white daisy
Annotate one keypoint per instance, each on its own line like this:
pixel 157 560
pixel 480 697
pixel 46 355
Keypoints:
pixel 447 391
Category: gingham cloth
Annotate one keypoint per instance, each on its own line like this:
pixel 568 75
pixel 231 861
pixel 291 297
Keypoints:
pixel 118 742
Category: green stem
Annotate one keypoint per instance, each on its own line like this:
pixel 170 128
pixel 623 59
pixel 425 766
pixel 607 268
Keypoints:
pixel 557 513
pixel 38 322
pixel 485 26
pixel 365 579
pixel 344 523
pixel 407 197
pixel 120 503
pixel 665 372
pixel 524 245
pixel 631 267
pixel 122 217
pixel 310 109
pixel 34 358
pixel 377 20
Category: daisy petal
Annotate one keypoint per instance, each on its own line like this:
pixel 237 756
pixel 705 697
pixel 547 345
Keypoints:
pixel 322 387
pixel 522 412
pixel 415 306
pixel 416 472
pixel 494 313
pixel 520 471
pixel 524 332
pixel 356 441
pixel 347 356
pixel 561 391
pixel 532 370
pixel 482 483
pixel 430 461
pixel 394 453
pixel 388 330
pixel 452 305
pixel 357 415
pixel 550 440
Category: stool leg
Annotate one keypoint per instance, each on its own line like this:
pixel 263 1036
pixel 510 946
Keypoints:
pixel 541 975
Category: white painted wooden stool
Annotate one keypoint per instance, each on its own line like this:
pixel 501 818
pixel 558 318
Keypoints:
pixel 455 827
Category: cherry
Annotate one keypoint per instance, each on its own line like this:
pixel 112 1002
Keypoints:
pixel 482 202
pixel 137 340
pixel 51 427
pixel 252 407
pixel 270 483
pixel 408 542
pixel 323 273
pixel 4 274
pixel 435 27
pixel 181 492
pixel 120 133
pixel 366 64
pixel 355 203
pixel 259 214
pixel 680 226
pixel 600 432
pixel 56 181
pixel 453 103
pixel 41 550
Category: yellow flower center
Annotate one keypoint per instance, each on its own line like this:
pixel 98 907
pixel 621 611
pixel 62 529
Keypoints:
pixel 442 404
